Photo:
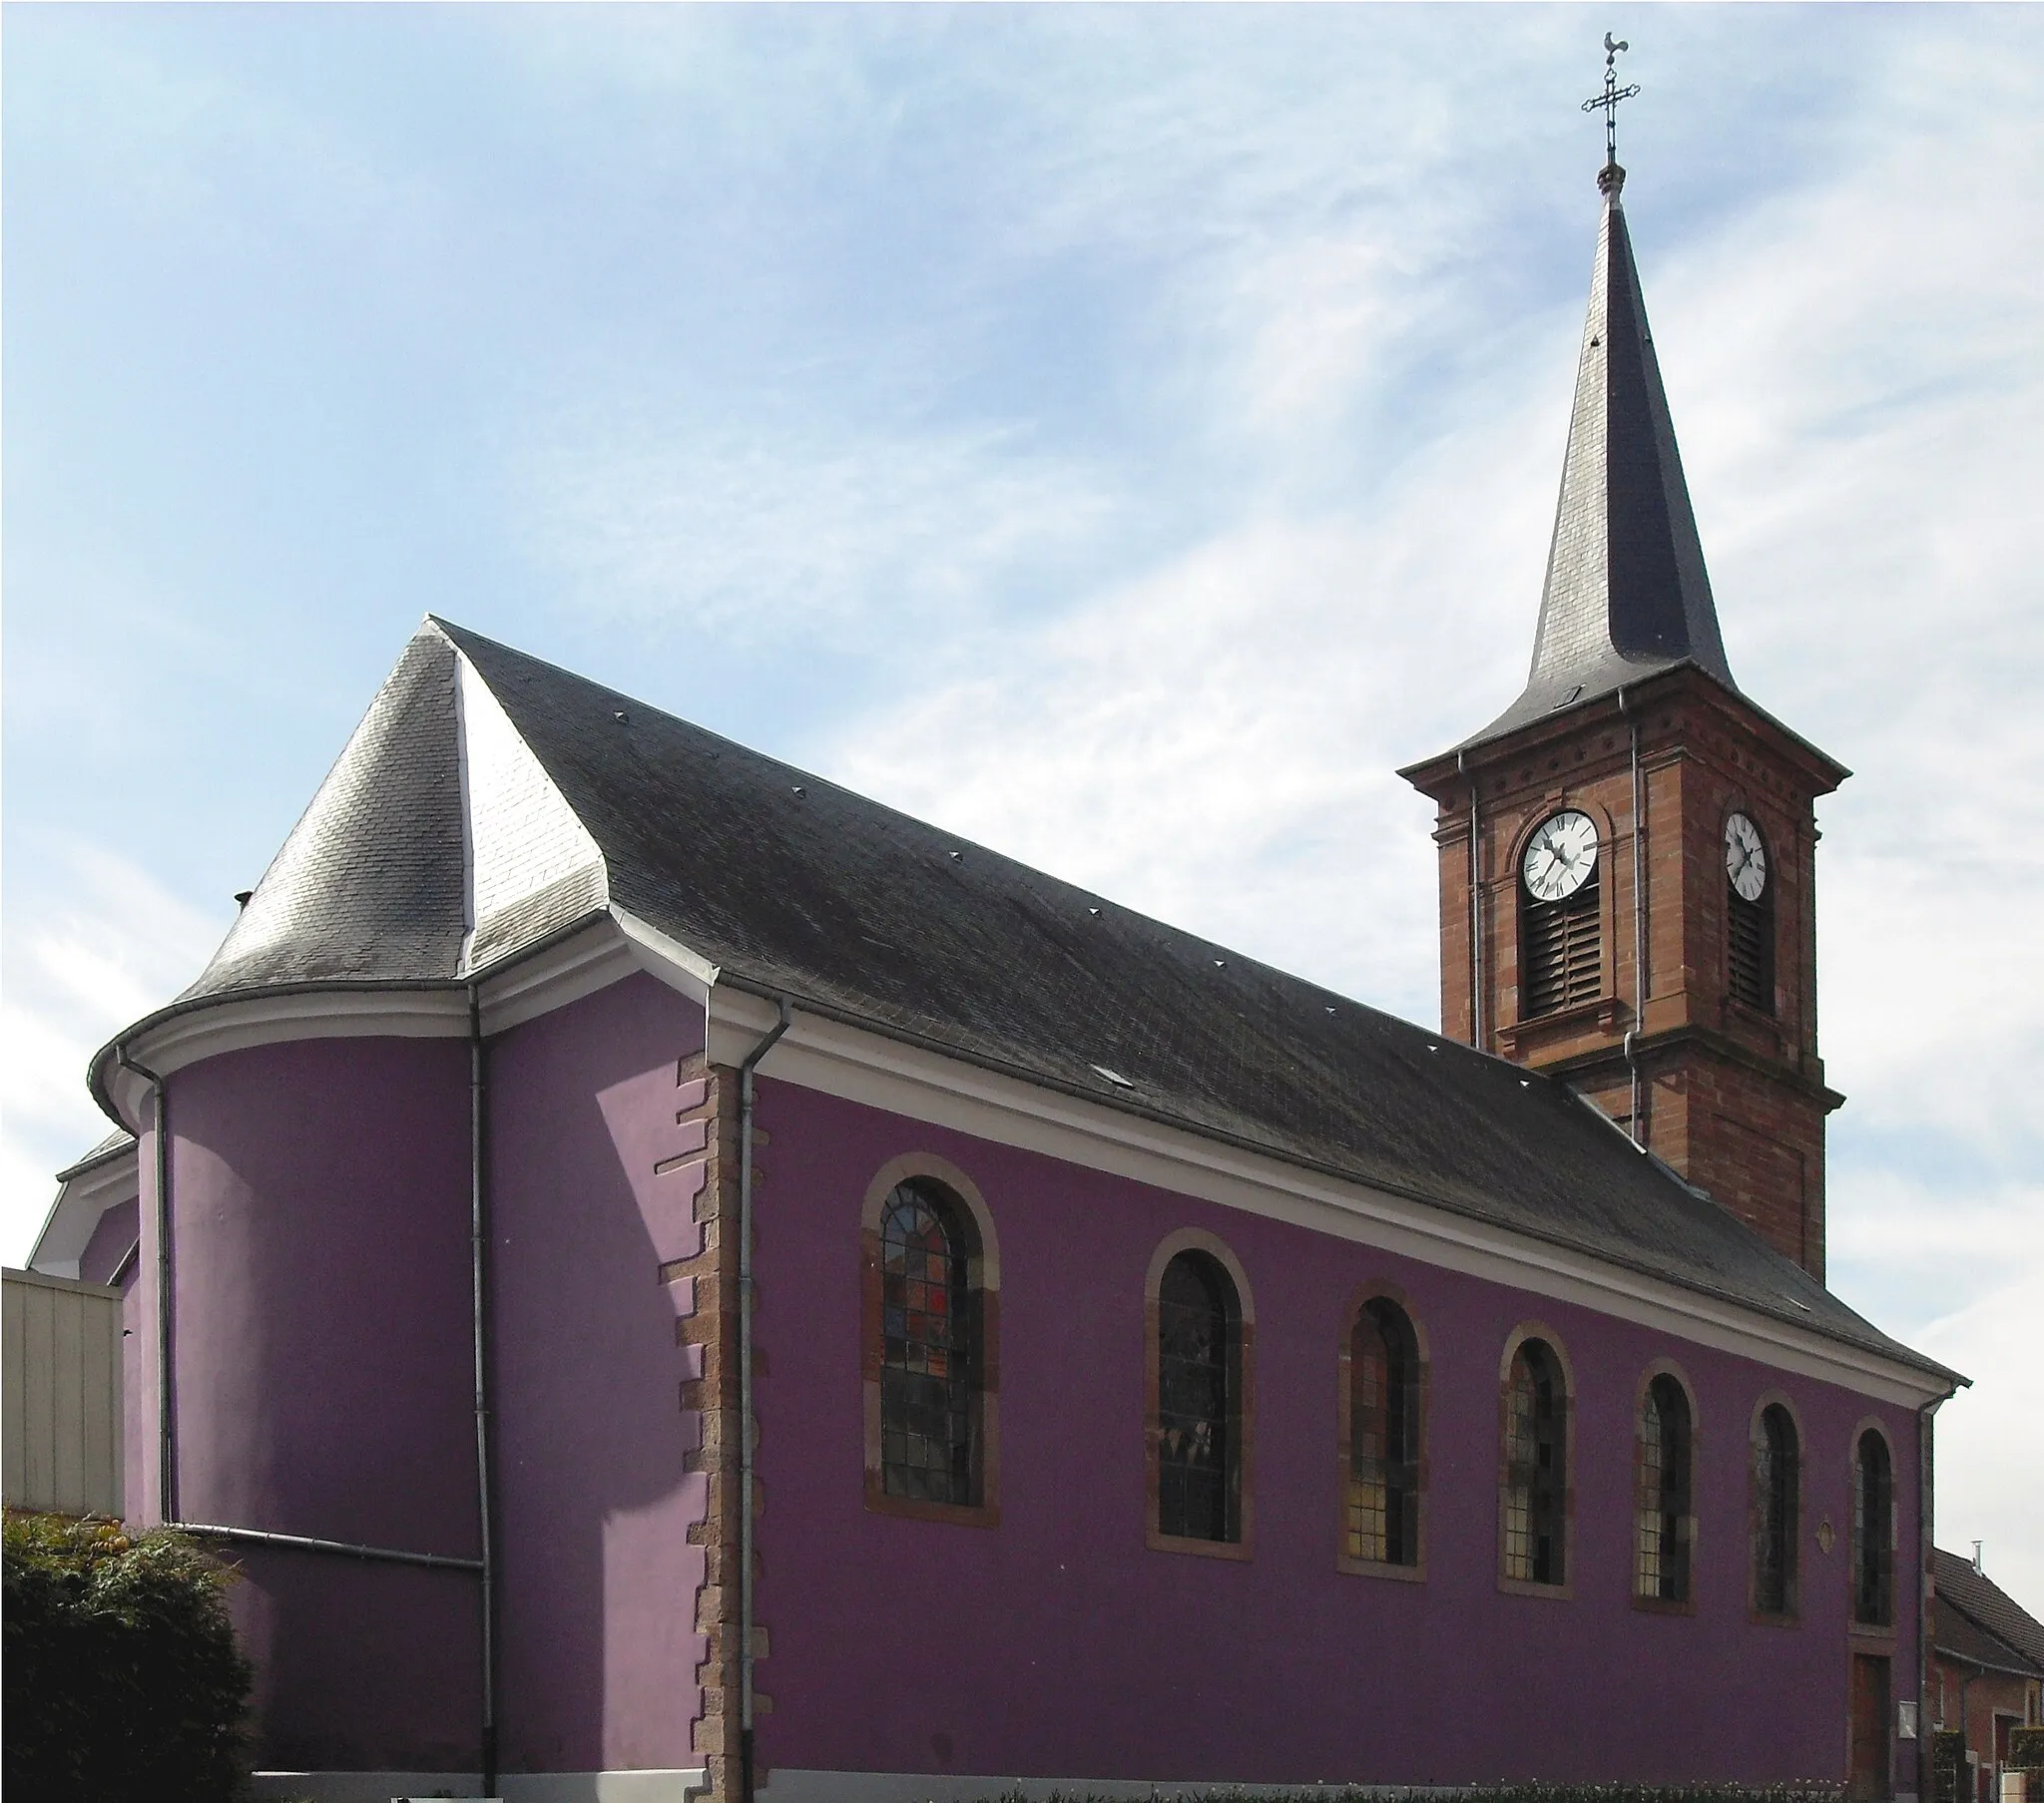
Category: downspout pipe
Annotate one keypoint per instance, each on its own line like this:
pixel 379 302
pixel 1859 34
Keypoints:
pixel 1632 1034
pixel 478 1299
pixel 746 1437
pixel 166 1409
pixel 1927 1529
pixel 1475 912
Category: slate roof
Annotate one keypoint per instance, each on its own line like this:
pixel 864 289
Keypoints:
pixel 796 887
pixel 1981 1624
pixel 541 799
pixel 372 885
pixel 1626 595
pixel 117 1144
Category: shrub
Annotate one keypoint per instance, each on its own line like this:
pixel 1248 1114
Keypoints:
pixel 123 1680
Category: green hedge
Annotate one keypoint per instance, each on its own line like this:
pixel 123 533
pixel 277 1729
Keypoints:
pixel 124 1681
pixel 2026 1751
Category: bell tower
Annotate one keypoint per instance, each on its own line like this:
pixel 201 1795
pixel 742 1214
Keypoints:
pixel 1628 853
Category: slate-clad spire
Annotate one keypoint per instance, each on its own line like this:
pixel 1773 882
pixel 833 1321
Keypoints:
pixel 1626 592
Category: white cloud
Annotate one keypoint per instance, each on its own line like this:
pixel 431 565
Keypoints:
pixel 1989 1464
pixel 1855 366
pixel 1172 640
pixel 767 534
pixel 116 946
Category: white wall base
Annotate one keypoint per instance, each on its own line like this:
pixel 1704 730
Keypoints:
pixel 786 1785
pixel 512 1787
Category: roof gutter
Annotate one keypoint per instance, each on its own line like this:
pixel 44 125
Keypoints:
pixel 1632 1034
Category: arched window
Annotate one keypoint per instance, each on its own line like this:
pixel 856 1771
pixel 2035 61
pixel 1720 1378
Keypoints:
pixel 1873 1532
pixel 1778 1507
pixel 1536 1480
pixel 1664 1522
pixel 1195 1452
pixel 931 1327
pixel 928 1350
pixel 1383 1398
pixel 1198 1398
pixel 1749 915
pixel 1560 954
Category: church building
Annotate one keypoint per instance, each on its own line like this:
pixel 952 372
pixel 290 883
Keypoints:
pixel 670 1277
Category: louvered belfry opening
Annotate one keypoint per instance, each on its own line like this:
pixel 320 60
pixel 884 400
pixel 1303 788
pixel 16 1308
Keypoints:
pixel 1561 943
pixel 1750 947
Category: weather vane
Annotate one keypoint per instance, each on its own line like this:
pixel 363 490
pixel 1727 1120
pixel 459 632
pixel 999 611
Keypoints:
pixel 1610 97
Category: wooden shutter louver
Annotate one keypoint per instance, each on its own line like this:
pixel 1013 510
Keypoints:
pixel 1750 949
pixel 1562 944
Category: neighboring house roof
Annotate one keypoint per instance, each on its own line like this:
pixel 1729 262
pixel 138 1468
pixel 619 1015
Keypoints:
pixel 1981 1624
pixel 579 800
pixel 116 1145
pixel 1957 1637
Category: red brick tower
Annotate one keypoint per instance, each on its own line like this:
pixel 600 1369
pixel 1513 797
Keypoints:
pixel 1640 916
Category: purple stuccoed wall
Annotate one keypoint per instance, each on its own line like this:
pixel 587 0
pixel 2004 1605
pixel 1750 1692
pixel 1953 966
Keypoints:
pixel 324 1366
pixel 1058 1645
pixel 106 1253
pixel 599 1581
pixel 324 1379
pixel 321 1352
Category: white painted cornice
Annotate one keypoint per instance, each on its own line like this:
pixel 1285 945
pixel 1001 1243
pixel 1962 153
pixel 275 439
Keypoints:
pixel 74 1216
pixel 838 1059
pixel 562 971
pixel 672 961
pixel 858 1066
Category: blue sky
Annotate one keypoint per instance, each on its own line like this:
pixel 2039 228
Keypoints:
pixel 1123 435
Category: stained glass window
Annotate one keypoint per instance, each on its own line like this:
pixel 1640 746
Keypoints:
pixel 927 1349
pixel 1380 1510
pixel 1777 1492
pixel 1661 1522
pixel 1197 1369
pixel 1873 1506
pixel 1536 1481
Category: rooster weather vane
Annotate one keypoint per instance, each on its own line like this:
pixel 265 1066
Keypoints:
pixel 1610 97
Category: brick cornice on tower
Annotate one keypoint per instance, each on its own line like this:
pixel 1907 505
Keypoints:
pixel 1714 1070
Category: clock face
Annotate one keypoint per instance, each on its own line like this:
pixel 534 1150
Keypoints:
pixel 1746 858
pixel 1560 857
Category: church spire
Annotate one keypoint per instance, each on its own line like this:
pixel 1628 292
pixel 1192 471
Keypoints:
pixel 1626 592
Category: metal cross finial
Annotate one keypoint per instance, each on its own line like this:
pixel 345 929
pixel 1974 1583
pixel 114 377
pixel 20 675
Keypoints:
pixel 1610 97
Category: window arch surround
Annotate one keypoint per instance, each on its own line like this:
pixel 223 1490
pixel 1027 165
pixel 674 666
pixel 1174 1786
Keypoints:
pixel 1666 1452
pixel 977 1249
pixel 1238 1430
pixel 1365 1406
pixel 1871 1510
pixel 1776 1510
pixel 1526 1506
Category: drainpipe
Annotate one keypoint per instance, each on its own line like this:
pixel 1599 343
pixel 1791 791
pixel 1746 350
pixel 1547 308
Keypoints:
pixel 1475 915
pixel 1632 1035
pixel 166 1413
pixel 745 1434
pixel 1927 1473
pixel 478 1248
